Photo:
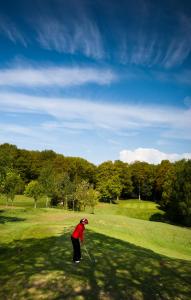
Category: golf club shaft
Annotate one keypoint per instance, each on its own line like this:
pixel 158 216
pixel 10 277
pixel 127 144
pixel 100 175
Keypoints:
pixel 87 252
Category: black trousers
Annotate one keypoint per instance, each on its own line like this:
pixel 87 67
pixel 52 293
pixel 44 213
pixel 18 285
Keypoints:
pixel 76 249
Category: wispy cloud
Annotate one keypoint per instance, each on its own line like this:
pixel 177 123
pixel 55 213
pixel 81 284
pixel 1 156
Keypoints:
pixel 152 47
pixel 55 125
pixel 28 137
pixel 182 76
pixel 180 44
pixel 11 31
pixel 76 36
pixel 91 115
pixel 59 76
pixel 14 128
pixel 150 155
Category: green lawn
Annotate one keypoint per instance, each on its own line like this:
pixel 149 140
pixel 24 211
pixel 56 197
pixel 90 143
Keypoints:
pixel 131 258
pixel 145 210
pixel 24 201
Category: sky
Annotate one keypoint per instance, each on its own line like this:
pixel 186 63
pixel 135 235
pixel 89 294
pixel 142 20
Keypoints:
pixel 102 80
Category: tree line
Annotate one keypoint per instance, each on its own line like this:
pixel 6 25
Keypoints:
pixel 75 183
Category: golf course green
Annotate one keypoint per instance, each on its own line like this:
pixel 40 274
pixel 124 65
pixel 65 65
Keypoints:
pixel 128 255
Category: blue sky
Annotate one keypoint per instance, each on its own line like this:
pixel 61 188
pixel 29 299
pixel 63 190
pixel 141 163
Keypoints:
pixel 103 80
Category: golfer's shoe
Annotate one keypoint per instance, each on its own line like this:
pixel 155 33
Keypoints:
pixel 77 261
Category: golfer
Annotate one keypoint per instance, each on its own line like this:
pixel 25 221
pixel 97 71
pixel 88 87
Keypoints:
pixel 77 235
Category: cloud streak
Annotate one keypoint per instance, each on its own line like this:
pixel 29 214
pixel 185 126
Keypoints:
pixel 91 115
pixel 59 76
pixel 74 36
pixel 10 31
pixel 153 47
pixel 180 44
pixel 77 30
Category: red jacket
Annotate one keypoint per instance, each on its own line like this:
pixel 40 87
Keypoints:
pixel 79 232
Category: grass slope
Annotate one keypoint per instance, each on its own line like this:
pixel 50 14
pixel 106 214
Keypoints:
pixel 145 210
pixel 132 257
pixel 24 201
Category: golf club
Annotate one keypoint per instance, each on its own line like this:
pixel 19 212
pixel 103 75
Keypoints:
pixel 90 258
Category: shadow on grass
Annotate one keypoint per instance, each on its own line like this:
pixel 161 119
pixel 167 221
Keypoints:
pixel 43 269
pixel 158 217
pixel 5 219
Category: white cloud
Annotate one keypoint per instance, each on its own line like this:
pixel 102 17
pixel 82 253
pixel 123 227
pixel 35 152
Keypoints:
pixel 59 76
pixel 101 115
pixel 150 155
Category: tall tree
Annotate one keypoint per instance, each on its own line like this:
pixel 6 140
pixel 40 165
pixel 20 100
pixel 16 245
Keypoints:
pixel 161 171
pixel 47 181
pixel 11 185
pixel 69 192
pixel 109 183
pixel 110 189
pixel 124 173
pixel 143 177
pixel 81 194
pixel 93 197
pixel 34 189
pixel 176 197
pixel 8 155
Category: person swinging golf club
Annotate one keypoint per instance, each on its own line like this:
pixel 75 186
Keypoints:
pixel 76 237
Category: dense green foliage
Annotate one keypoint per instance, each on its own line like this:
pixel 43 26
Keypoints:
pixel 69 181
pixel 176 197
pixel 34 190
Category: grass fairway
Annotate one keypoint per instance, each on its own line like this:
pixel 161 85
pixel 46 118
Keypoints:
pixel 131 258
pixel 145 210
pixel 24 201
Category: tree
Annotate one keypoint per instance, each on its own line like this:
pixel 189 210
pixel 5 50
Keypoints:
pixel 62 189
pixel 110 189
pixel 160 179
pixel 181 195
pixel 176 197
pixel 11 185
pixel 29 164
pixel 167 188
pixel 109 182
pixel 115 187
pixel 23 165
pixel 81 194
pixel 69 190
pixel 93 197
pixel 124 173
pixel 143 177
pixel 35 190
pixel 47 181
pixel 185 204
pixel 8 155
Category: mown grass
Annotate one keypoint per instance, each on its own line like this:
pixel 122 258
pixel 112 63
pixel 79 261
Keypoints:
pixel 23 201
pixel 131 258
pixel 145 210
